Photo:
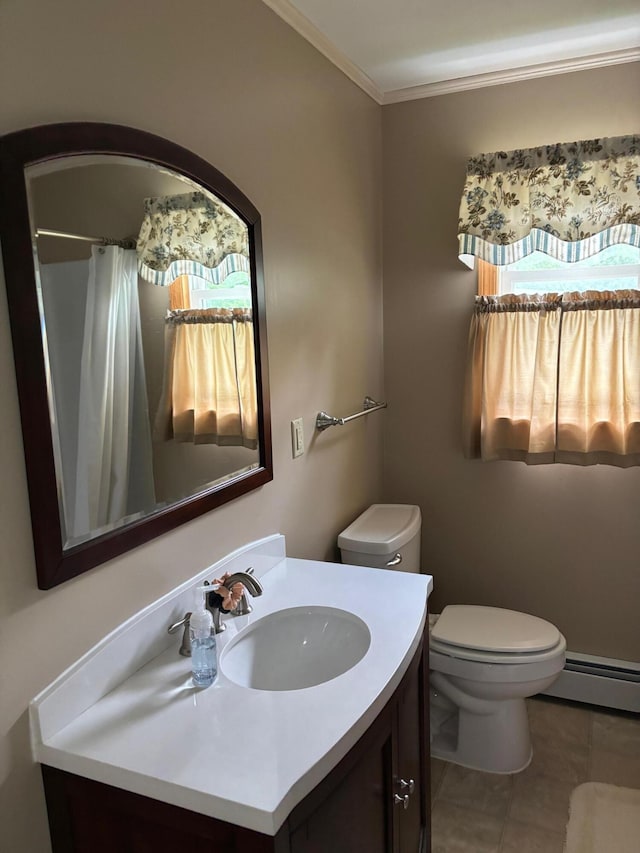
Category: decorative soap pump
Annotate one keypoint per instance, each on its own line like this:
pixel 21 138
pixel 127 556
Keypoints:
pixel 204 664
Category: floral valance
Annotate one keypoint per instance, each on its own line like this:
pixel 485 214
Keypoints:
pixel 569 200
pixel 191 234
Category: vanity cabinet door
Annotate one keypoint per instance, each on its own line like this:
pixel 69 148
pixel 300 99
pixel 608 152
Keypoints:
pixel 354 817
pixel 362 808
pixel 411 764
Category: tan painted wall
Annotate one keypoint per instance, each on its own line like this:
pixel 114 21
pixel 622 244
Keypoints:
pixel 230 81
pixel 234 84
pixel 559 541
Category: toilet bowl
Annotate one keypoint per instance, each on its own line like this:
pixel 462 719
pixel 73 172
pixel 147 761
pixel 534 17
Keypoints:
pixel 483 661
pixel 479 716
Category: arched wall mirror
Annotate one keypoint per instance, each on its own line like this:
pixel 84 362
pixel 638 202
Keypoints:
pixel 136 300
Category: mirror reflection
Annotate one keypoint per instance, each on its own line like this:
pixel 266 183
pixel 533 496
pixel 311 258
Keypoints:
pixel 144 292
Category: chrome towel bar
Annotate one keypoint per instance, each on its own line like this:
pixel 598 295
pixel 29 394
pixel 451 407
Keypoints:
pixel 324 421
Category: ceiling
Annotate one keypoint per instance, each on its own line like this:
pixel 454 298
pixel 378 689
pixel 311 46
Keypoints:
pixel 398 50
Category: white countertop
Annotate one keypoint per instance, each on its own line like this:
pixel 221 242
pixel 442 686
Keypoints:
pixel 241 755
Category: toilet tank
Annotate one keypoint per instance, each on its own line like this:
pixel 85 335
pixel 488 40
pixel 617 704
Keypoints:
pixel 385 536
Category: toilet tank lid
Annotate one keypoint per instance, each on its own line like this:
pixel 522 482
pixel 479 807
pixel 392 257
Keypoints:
pixel 381 529
pixel 493 629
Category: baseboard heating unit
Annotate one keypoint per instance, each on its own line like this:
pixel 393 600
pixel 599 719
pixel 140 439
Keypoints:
pixel 599 681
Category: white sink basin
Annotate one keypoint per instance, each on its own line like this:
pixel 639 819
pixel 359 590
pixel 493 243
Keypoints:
pixel 296 648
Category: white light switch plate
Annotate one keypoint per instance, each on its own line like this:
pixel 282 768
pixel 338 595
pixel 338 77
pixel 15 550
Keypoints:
pixel 297 437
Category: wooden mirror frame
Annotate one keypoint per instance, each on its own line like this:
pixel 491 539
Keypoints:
pixel 25 148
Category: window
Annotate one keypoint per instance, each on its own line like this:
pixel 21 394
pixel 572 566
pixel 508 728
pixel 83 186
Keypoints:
pixel 554 346
pixel 235 292
pixel 615 268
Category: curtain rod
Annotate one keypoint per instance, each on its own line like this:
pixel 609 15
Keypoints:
pixel 103 241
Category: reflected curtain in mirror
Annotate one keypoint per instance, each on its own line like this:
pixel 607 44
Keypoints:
pixel 209 390
pixel 95 354
pixel 191 241
pixel 115 472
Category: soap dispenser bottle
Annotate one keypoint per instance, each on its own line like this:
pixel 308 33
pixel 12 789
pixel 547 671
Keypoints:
pixel 204 664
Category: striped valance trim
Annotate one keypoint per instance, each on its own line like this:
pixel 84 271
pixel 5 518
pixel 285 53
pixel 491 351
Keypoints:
pixel 164 278
pixel 471 246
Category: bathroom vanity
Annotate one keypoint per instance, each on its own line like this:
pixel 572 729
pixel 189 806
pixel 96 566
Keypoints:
pixel 134 758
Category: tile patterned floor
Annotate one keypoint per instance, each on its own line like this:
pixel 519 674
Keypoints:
pixel 477 812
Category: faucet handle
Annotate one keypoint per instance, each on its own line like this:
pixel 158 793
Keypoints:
pixel 185 647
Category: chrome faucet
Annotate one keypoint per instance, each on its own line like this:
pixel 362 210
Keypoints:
pixel 250 583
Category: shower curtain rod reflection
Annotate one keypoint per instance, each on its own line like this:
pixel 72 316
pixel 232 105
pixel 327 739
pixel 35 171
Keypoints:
pixel 102 241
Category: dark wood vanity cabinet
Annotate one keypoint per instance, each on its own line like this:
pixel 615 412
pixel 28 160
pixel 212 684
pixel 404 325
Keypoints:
pixel 359 806
pixel 412 768
pixel 381 803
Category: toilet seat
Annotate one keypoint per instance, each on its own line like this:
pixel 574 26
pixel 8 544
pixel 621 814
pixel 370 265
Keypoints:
pixel 497 658
pixel 494 635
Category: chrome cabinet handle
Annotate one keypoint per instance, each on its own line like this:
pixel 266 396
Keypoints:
pixel 397 799
pixel 395 560
pixel 411 785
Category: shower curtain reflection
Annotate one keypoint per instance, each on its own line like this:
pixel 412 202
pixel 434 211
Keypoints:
pixel 114 475
pixel 98 390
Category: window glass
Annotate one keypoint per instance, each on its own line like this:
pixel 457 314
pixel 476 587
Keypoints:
pixel 615 268
pixel 235 292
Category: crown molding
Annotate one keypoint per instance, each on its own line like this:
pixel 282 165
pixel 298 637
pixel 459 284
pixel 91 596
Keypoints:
pixel 302 25
pixel 512 75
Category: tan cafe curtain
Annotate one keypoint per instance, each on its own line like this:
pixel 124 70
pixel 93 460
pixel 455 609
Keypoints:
pixel 209 389
pixel 555 378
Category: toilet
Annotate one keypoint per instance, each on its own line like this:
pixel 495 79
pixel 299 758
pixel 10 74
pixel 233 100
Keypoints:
pixel 483 661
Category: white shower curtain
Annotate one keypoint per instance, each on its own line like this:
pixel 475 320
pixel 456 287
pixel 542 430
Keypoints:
pixel 114 476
